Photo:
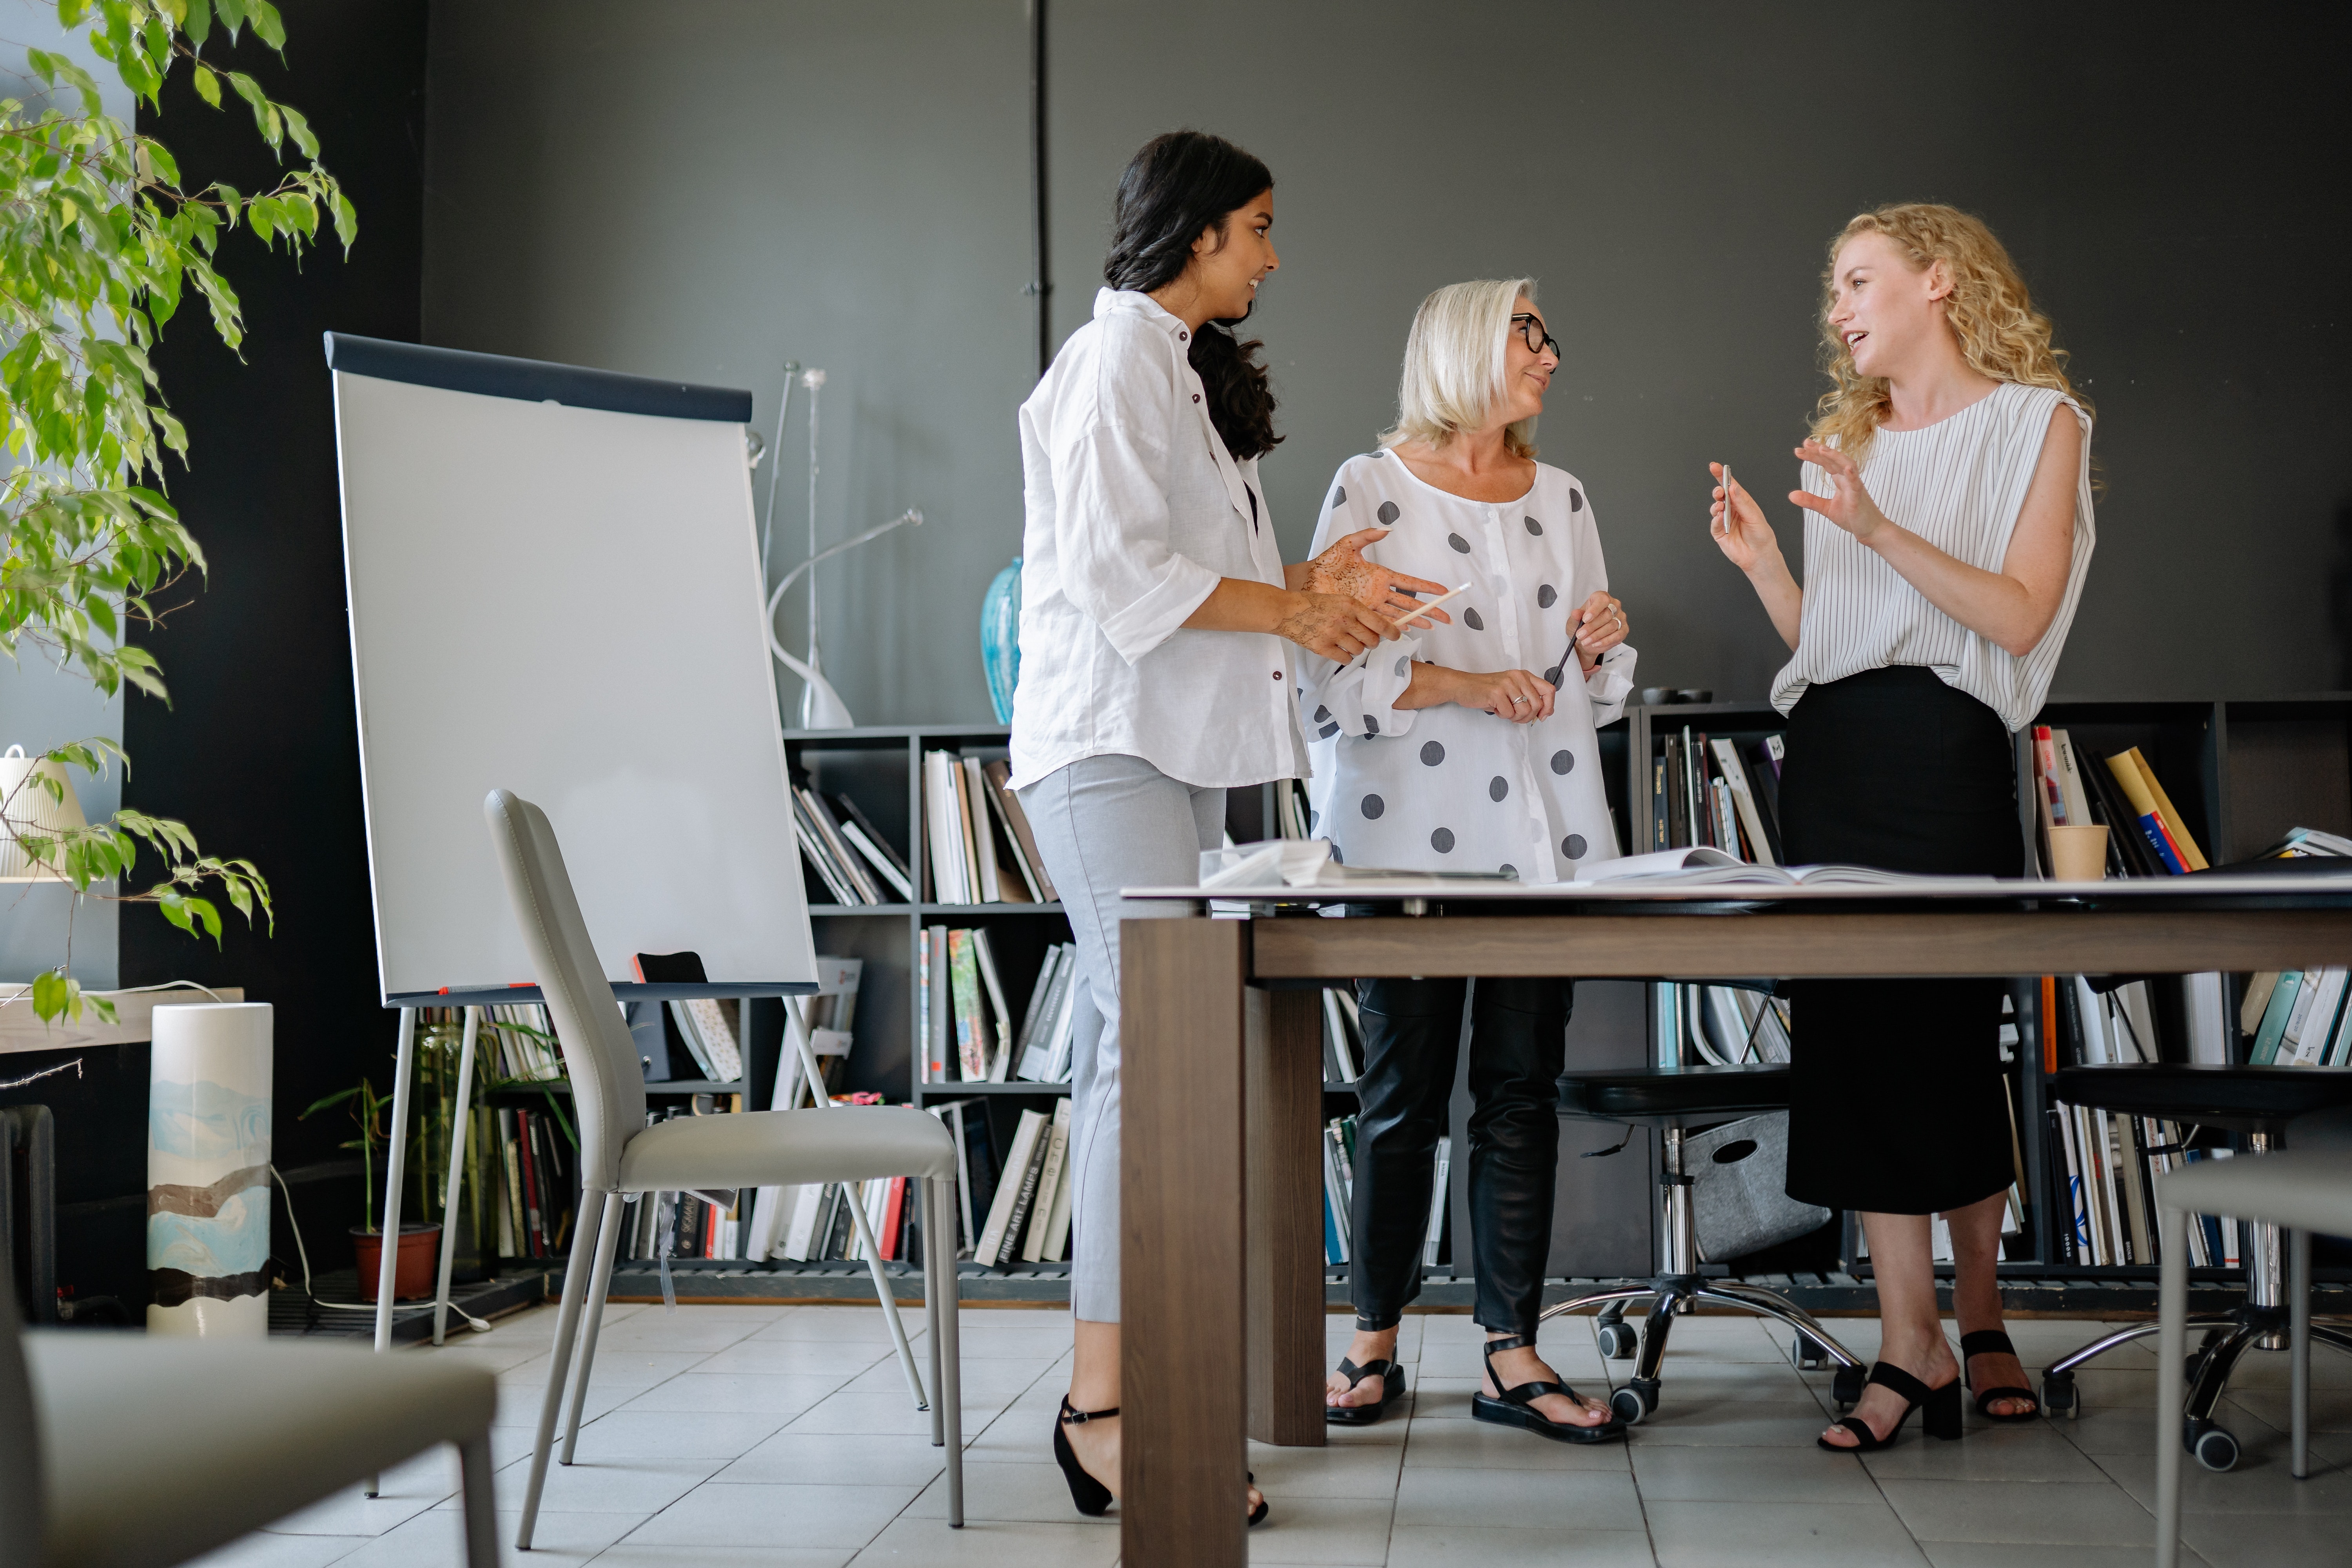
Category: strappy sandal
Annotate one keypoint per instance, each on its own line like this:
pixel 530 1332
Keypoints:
pixel 1089 1496
pixel 1992 1341
pixel 1942 1418
pixel 1516 1407
pixel 1392 1378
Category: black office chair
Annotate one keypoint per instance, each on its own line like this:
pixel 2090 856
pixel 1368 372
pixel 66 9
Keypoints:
pixel 1678 1102
pixel 2258 1102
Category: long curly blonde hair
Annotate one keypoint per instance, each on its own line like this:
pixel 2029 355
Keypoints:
pixel 2001 333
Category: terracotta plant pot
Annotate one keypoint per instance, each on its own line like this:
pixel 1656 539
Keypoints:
pixel 412 1268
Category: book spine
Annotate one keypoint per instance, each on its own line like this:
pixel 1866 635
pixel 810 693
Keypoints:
pixel 2274 1019
pixel 1658 804
pixel 2125 768
pixel 963 986
pixel 2176 825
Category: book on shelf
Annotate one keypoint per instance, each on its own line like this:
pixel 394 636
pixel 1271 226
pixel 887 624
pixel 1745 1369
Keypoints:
pixel 876 846
pixel 1043 1047
pixel 976 1163
pixel 998 1038
pixel 2153 813
pixel 1338 1188
pixel 709 1033
pixel 963 990
pixel 1440 1184
pixel 1710 792
pixel 1342 1037
pixel 1032 865
pixel 1016 1189
pixel 1051 1175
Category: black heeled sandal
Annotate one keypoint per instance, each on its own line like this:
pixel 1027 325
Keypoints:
pixel 1516 1407
pixel 1941 1407
pixel 1392 1378
pixel 1992 1341
pixel 1089 1496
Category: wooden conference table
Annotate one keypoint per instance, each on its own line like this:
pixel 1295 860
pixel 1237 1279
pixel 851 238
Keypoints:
pixel 1222 1065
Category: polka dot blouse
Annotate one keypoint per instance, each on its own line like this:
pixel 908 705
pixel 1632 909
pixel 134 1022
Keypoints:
pixel 1451 788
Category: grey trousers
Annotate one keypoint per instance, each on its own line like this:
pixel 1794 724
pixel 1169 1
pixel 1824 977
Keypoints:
pixel 1103 824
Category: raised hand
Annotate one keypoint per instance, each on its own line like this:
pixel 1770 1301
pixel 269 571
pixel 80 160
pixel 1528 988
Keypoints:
pixel 1598 626
pixel 1342 570
pixel 1335 627
pixel 1739 525
pixel 1850 505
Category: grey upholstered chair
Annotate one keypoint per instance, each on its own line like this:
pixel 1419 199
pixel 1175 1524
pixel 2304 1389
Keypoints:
pixel 121 1451
pixel 2299 1191
pixel 619 1154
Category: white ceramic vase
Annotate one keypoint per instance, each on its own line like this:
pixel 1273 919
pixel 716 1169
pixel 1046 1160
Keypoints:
pixel 208 1104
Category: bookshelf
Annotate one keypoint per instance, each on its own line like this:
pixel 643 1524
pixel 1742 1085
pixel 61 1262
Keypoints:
pixel 2242 770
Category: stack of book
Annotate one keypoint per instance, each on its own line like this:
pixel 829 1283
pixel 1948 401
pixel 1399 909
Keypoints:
pixel 1711 793
pixel 698 1226
pixel 533 1174
pixel 823 1226
pixel 521 1044
pixel 969 1032
pixel 1028 1214
pixel 2146 836
pixel 1339 1191
pixel 1343 1036
pixel 705 1026
pixel 849 855
pixel 2298 1018
pixel 2107 1162
pixel 982 851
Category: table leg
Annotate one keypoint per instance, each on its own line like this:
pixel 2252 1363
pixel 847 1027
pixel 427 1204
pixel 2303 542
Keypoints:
pixel 1283 1088
pixel 1182 1457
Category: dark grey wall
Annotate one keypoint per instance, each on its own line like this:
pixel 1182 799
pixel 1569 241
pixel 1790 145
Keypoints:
pixel 845 183
pixel 705 190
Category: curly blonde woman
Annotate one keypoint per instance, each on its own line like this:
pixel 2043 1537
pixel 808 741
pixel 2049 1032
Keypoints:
pixel 1946 496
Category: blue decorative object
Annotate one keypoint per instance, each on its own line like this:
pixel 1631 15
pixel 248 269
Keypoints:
pixel 1000 639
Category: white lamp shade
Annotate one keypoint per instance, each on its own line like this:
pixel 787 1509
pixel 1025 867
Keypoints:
pixel 30 809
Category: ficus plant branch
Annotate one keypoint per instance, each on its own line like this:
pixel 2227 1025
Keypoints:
pixel 101 239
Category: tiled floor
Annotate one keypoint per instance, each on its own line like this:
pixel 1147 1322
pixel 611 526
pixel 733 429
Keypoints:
pixel 728 1436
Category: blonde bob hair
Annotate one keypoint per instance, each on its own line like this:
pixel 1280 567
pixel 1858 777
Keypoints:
pixel 1456 358
pixel 2001 333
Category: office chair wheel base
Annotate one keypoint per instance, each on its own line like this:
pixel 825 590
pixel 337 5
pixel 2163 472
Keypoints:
pixel 2211 1446
pixel 1628 1405
pixel 1847 1386
pixel 2058 1394
pixel 1811 1355
pixel 1618 1341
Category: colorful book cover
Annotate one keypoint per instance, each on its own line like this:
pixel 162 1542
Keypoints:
pixel 963 984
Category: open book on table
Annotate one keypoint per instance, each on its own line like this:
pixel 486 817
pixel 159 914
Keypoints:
pixel 1309 863
pixel 1704 867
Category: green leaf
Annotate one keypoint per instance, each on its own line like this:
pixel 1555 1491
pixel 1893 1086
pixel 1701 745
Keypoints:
pixel 198 23
pixel 49 988
pixel 207 82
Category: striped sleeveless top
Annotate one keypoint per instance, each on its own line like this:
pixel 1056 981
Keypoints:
pixel 1959 484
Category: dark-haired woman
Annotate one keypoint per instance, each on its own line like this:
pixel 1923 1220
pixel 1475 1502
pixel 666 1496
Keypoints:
pixel 1155 623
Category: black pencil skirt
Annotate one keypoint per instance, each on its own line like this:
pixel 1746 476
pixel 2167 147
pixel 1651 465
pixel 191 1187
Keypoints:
pixel 1897 1102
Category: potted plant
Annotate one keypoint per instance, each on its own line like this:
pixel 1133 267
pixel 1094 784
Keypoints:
pixel 102 240
pixel 412 1268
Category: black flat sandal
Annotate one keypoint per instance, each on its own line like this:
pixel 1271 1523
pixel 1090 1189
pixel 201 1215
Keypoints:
pixel 1942 1418
pixel 1089 1496
pixel 1392 1378
pixel 1516 1407
pixel 1992 1341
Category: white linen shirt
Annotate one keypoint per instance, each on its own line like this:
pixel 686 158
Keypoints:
pixel 1136 510
pixel 1452 788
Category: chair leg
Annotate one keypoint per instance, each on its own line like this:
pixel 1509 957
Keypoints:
pixel 2173 1349
pixel 2298 1294
pixel 608 1240
pixel 1614 1301
pixel 941 1219
pixel 481 1502
pixel 1764 1304
pixel 2106 1342
pixel 931 1294
pixel 558 1362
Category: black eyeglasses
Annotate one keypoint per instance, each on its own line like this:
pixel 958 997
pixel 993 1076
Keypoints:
pixel 1531 329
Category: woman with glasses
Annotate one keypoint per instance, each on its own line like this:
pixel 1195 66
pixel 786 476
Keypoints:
pixel 1468 746
pixel 1155 623
pixel 1947 494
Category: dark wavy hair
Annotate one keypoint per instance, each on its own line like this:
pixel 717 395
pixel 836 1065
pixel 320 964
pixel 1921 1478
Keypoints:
pixel 1179 184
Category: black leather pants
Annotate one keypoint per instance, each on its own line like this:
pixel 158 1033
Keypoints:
pixel 1412 1037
